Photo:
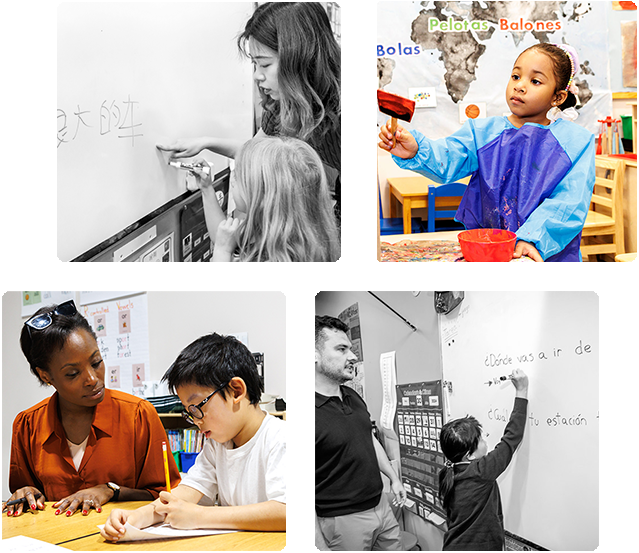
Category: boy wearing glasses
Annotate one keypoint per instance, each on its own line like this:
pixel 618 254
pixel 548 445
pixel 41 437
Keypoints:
pixel 243 461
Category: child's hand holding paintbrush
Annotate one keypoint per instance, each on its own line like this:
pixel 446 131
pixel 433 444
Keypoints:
pixel 395 139
pixel 405 144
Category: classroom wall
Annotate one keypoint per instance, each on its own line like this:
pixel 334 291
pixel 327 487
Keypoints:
pixel 417 359
pixel 175 320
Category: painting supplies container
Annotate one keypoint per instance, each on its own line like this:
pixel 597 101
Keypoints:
pixel 487 244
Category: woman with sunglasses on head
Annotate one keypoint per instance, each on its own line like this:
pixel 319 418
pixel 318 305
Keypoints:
pixel 85 445
pixel 242 465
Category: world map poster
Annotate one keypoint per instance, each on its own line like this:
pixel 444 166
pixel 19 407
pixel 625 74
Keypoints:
pixel 449 55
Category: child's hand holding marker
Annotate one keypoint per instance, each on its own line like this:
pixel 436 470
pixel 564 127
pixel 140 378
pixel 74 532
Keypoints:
pixel 518 378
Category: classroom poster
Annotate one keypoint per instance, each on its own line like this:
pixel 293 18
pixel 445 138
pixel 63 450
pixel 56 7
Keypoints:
pixel 389 381
pixel 466 50
pixel 122 329
pixel 419 423
pixel 32 301
pixel 101 296
pixel 350 316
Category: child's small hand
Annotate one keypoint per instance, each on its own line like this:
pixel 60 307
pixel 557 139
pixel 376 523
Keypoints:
pixel 405 144
pixel 177 512
pixel 520 380
pixel 527 249
pixel 225 238
pixel 204 177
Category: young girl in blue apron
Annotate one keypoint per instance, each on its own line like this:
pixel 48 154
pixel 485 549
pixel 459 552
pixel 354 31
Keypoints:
pixel 532 172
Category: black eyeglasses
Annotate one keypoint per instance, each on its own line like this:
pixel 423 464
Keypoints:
pixel 44 320
pixel 195 411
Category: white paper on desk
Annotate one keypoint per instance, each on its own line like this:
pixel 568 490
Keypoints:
pixel 163 531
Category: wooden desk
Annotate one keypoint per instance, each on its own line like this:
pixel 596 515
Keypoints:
pixel 412 193
pixel 81 533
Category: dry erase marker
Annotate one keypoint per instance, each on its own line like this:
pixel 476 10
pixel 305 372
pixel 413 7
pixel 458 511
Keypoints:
pixel 166 468
pixel 185 166
pixel 191 166
pixel 498 380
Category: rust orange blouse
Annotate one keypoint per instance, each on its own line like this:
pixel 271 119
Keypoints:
pixel 124 447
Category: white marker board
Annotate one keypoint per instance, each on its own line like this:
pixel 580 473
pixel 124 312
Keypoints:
pixel 550 491
pixel 131 75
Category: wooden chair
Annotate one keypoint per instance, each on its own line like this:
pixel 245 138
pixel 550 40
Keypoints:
pixel 603 231
pixel 395 225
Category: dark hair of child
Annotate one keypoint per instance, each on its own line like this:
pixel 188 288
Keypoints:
pixel 562 67
pixel 212 361
pixel 39 345
pixel 458 438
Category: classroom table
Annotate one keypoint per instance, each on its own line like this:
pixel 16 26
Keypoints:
pixel 81 533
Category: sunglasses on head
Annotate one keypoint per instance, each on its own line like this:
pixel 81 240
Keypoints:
pixel 42 321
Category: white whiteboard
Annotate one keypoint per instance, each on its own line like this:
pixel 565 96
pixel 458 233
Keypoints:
pixel 131 75
pixel 550 491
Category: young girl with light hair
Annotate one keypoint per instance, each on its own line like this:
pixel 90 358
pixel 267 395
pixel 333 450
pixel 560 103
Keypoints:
pixel 280 185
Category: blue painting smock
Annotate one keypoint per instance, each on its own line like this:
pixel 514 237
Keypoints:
pixel 536 180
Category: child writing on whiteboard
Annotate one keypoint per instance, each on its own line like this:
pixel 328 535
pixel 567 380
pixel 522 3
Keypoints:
pixel 468 488
pixel 532 172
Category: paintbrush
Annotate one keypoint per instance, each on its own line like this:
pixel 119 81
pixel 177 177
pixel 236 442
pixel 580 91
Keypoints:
pixel 395 106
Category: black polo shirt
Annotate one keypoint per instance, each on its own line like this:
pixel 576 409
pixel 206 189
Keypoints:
pixel 347 478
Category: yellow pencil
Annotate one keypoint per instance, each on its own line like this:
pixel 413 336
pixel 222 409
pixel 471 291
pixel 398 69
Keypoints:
pixel 166 468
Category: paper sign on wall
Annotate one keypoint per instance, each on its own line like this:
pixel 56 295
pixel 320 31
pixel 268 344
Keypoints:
pixel 122 329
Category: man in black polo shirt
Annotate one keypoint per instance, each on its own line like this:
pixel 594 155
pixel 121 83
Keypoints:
pixel 352 513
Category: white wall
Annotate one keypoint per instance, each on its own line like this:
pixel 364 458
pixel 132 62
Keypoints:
pixel 175 320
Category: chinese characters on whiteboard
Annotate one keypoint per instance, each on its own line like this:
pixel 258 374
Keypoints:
pixel 115 118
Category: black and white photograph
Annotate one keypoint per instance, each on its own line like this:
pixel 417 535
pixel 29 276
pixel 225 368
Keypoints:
pixel 462 433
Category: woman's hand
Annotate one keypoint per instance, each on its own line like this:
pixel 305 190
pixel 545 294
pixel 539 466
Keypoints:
pixel 184 147
pixel 405 144
pixel 85 499
pixel 33 495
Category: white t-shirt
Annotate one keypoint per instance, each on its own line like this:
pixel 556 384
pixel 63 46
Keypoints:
pixel 252 473
pixel 77 451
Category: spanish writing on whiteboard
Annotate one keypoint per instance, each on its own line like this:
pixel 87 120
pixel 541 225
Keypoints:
pixel 122 329
pixel 111 119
